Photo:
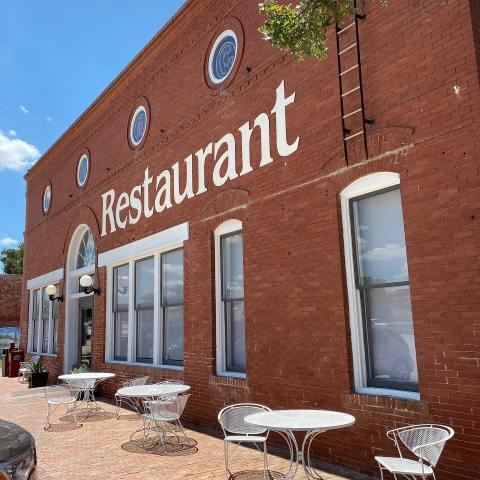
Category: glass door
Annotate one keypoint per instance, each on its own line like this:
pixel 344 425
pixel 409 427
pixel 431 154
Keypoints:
pixel 85 317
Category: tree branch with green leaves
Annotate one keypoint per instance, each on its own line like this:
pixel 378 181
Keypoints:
pixel 302 29
pixel 12 259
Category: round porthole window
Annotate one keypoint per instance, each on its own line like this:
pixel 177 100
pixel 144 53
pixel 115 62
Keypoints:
pixel 82 170
pixel 138 126
pixel 222 56
pixel 47 198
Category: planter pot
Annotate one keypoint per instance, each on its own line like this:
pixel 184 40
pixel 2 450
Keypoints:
pixel 38 379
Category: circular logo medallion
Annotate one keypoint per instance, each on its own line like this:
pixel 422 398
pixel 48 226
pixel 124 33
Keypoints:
pixel 47 198
pixel 222 56
pixel 138 126
pixel 82 170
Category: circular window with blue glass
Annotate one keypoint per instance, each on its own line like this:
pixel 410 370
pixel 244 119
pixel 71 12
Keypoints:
pixel 138 126
pixel 47 199
pixel 83 169
pixel 222 56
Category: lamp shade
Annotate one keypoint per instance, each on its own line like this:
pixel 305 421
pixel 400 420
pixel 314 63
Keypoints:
pixel 51 290
pixel 86 281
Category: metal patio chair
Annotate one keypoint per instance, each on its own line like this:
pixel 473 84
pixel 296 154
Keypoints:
pixel 61 395
pixel 132 402
pixel 163 416
pixel 85 392
pixel 237 431
pixel 426 442
pixel 24 370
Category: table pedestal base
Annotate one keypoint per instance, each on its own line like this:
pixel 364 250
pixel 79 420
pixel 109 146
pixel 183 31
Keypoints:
pixel 300 456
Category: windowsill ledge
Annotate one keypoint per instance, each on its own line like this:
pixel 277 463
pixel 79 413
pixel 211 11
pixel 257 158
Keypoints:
pixel 387 392
pixel 145 365
pixel 232 374
pixel 386 398
pixel 51 355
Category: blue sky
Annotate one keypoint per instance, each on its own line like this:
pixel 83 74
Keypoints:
pixel 56 57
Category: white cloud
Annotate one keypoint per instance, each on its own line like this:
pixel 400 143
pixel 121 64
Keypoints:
pixel 388 252
pixel 8 242
pixel 12 133
pixel 24 109
pixel 49 119
pixel 15 154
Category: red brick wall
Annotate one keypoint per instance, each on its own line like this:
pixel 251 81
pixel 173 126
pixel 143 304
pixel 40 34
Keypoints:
pixel 297 334
pixel 10 300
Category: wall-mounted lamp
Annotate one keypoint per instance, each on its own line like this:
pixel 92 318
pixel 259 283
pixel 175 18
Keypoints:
pixel 86 282
pixel 52 292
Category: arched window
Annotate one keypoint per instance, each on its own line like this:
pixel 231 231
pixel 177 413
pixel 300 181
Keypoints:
pixel 86 251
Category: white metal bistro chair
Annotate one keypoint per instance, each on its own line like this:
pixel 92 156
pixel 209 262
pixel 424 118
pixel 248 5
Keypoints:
pixel 60 395
pixel 86 391
pixel 132 402
pixel 24 370
pixel 163 416
pixel 237 431
pixel 425 441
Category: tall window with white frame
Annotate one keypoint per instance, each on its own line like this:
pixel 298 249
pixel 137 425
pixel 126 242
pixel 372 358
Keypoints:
pixel 43 323
pixel 120 311
pixel 55 326
pixel 150 331
pixel 380 291
pixel 230 299
pixel 144 308
pixel 34 308
pixel 172 307
pixel 45 320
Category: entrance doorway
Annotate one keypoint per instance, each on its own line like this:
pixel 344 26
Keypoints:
pixel 79 312
pixel 85 317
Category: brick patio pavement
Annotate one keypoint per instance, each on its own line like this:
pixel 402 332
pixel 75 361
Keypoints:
pixel 101 448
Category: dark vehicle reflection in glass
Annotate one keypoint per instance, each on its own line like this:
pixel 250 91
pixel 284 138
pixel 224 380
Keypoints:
pixel 391 353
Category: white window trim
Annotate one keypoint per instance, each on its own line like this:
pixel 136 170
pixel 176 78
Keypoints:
pixel 88 270
pixel 362 186
pixel 45 279
pixel 153 246
pixel 166 239
pixel 229 226
pixel 39 333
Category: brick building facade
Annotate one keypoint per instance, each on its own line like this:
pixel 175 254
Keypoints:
pixel 216 162
pixel 10 295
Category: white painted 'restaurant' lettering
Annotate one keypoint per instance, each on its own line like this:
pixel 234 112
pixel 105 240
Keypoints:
pixel 128 208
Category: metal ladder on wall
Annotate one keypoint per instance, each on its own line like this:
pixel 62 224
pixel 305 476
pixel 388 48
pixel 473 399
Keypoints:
pixel 352 105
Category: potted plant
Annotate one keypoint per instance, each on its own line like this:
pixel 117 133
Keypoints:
pixel 38 375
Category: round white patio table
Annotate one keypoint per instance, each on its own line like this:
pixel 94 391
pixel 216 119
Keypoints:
pixel 86 382
pixel 138 394
pixel 313 422
pixel 153 391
